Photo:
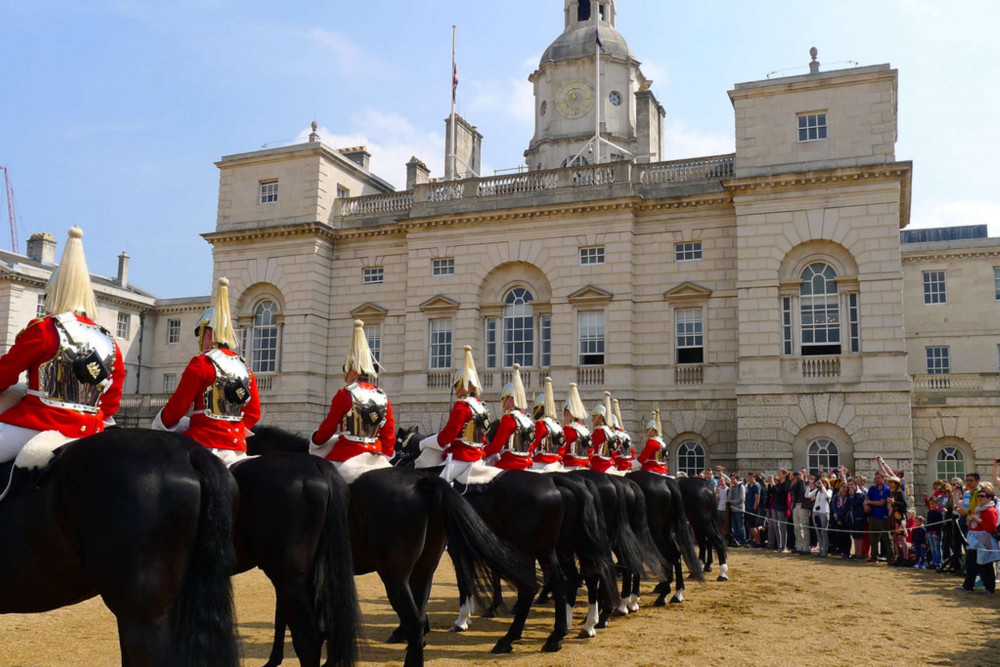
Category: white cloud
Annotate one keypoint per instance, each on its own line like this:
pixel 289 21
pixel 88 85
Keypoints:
pixel 513 98
pixel 940 213
pixel 680 143
pixel 347 56
pixel 392 140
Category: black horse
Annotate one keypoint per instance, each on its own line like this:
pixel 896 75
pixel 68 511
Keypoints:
pixel 293 525
pixel 400 521
pixel 700 507
pixel 670 532
pixel 143 519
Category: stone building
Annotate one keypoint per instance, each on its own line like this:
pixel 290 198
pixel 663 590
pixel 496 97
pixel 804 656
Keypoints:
pixel 763 300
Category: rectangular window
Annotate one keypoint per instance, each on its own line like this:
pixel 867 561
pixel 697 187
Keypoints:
pixel 996 283
pixel 685 252
pixel 592 255
pixel 545 339
pixel 812 126
pixel 591 339
pixel 40 306
pixel 372 275
pixel 169 382
pixel 934 287
pixel 443 267
pixel 342 192
pixel 786 326
pixel 938 361
pixel 440 344
pixel 123 321
pixel 690 338
pixel 173 331
pixel 374 334
pixel 490 335
pixel 854 322
pixel 268 192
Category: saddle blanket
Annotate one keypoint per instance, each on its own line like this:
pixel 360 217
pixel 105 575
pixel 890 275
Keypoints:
pixel 463 472
pixel 547 467
pixel 356 466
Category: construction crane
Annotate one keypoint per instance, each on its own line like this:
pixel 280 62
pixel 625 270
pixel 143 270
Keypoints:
pixel 11 209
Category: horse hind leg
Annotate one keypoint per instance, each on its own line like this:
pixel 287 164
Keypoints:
pixel 277 655
pixel 145 643
pixel 410 618
pixel 307 639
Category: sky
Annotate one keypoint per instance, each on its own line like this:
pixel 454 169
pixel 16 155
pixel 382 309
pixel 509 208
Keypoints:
pixel 113 112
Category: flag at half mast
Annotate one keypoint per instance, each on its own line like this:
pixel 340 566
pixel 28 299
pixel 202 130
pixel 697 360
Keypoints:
pixel 599 42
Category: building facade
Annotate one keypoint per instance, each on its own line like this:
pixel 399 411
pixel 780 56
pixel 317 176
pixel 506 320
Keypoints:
pixel 762 300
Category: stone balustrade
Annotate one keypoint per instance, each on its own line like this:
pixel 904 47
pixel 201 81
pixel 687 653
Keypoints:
pixel 956 382
pixel 821 367
pixel 699 170
pixel 694 374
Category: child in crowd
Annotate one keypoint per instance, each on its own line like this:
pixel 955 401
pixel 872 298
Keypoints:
pixel 918 537
pixel 935 517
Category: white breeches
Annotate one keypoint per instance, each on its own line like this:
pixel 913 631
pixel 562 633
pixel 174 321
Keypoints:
pixel 12 440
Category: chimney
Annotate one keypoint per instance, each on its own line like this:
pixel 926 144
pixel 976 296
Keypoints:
pixel 357 154
pixel 42 248
pixel 417 173
pixel 469 149
pixel 123 269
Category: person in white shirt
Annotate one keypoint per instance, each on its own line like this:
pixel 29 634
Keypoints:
pixel 821 494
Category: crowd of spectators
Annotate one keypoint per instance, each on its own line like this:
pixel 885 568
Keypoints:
pixel 834 513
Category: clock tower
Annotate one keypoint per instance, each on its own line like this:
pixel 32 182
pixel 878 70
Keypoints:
pixel 568 95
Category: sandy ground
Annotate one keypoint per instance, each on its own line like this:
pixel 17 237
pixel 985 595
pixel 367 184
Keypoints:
pixel 778 610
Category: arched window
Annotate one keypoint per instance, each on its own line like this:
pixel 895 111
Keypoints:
pixel 822 454
pixel 583 10
pixel 518 328
pixel 690 458
pixel 264 338
pixel 950 463
pixel 820 310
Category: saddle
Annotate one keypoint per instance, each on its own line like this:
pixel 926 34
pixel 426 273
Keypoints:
pixel 32 465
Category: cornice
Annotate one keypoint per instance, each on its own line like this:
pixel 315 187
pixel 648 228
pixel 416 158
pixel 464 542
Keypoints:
pixel 949 253
pixel 824 177
pixel 302 229
pixel 698 201
pixel 575 208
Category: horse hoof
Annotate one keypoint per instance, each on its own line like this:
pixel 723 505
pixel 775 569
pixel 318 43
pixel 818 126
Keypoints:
pixel 660 602
pixel 489 613
pixel 601 625
pixel 633 608
pixel 458 628
pixel 502 647
pixel 619 612
pixel 542 599
pixel 722 577
pixel 396 637
pixel 707 568
pixel 586 634
pixel 552 646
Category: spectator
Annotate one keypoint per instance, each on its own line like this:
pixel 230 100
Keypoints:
pixel 919 539
pixel 840 540
pixel 967 508
pixel 935 519
pixel 983 548
pixel 878 501
pixel 820 497
pixel 753 503
pixel 737 510
pixel 897 522
pixel 800 512
pixel 722 504
pixel 780 510
pixel 857 517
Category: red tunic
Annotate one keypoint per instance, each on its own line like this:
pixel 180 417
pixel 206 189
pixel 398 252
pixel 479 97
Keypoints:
pixel 214 433
pixel 512 461
pixel 624 463
pixel 597 438
pixel 505 429
pixel 346 447
pixel 37 343
pixel 600 463
pixel 542 431
pixel 569 460
pixel 449 440
pixel 648 458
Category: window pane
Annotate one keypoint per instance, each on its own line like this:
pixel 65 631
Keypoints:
pixel 440 344
pixel 591 338
pixel 950 463
pixel 822 454
pixel 690 458
pixel 518 328
pixel 264 338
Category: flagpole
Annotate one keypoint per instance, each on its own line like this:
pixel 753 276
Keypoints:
pixel 597 78
pixel 454 93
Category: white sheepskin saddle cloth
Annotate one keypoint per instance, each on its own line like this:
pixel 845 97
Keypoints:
pixel 356 466
pixel 39 451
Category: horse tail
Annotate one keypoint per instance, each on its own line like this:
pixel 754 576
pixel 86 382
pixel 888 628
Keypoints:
pixel 333 576
pixel 475 550
pixel 592 541
pixel 651 555
pixel 682 532
pixel 204 620
pixel 626 543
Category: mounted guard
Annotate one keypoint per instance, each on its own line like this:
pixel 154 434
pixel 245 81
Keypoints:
pixel 654 455
pixel 604 442
pixel 625 456
pixel 74 367
pixel 460 444
pixel 549 445
pixel 359 433
pixel 575 432
pixel 516 431
pixel 217 387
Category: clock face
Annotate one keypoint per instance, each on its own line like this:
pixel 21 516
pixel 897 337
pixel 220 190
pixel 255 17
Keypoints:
pixel 575 99
pixel 616 98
